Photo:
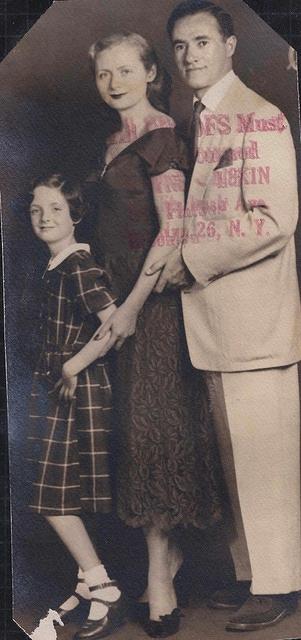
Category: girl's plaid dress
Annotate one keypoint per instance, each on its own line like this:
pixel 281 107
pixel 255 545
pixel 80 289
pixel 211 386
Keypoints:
pixel 69 440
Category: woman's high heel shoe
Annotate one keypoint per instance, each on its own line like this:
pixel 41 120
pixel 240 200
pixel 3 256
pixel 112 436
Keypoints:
pixel 115 617
pixel 167 626
pixel 139 611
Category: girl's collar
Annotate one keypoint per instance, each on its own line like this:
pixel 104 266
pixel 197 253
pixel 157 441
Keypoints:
pixel 62 255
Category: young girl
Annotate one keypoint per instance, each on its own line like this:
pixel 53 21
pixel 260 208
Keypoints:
pixel 71 400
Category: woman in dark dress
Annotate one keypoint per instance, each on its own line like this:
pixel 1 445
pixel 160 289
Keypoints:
pixel 166 465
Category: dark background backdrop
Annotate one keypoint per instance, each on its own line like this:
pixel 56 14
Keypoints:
pixel 51 119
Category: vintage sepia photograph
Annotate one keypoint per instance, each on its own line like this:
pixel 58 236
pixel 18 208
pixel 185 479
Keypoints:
pixel 151 256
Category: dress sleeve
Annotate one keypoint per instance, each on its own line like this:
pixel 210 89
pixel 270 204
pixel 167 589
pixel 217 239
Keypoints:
pixel 163 149
pixel 90 285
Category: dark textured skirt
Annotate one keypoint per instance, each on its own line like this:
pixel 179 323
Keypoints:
pixel 69 442
pixel 168 467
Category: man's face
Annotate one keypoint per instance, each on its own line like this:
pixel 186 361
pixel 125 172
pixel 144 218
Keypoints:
pixel 202 54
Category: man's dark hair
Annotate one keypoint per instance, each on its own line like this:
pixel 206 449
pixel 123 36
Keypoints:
pixel 191 7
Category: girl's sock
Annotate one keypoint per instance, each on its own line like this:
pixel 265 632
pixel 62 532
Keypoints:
pixel 96 577
pixel 81 589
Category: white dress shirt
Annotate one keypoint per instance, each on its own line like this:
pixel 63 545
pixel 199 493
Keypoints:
pixel 213 97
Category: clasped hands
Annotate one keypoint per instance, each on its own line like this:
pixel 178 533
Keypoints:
pixel 121 324
pixel 116 329
pixel 113 332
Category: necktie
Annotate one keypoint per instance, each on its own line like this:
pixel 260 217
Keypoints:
pixel 198 107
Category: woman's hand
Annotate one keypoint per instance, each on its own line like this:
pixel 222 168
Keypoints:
pixel 66 386
pixel 121 324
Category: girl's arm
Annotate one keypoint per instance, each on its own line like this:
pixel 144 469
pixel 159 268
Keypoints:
pixel 91 351
pixel 168 191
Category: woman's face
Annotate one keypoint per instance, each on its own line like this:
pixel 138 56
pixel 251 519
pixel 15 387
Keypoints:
pixel 121 77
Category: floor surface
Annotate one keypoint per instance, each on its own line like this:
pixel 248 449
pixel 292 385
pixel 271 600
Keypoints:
pixel 201 623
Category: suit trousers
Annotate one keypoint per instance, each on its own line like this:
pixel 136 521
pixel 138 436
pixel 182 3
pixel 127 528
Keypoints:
pixel 256 415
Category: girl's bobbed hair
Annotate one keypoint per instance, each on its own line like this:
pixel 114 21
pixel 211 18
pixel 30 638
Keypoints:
pixel 70 190
pixel 159 89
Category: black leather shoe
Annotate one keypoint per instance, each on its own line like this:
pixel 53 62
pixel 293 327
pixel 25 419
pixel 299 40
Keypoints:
pixel 259 612
pixel 66 614
pixel 167 626
pixel 231 597
pixel 96 629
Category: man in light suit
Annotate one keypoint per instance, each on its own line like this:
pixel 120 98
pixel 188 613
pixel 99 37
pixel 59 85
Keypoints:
pixel 242 313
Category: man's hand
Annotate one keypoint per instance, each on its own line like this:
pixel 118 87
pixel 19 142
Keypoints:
pixel 174 272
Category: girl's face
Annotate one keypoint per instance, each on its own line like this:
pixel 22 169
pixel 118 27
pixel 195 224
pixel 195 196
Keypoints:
pixel 121 77
pixel 50 217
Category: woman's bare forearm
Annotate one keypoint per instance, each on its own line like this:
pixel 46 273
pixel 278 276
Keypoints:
pixel 168 191
pixel 145 284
